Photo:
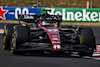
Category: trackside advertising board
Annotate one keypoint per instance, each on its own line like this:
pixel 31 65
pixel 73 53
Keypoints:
pixel 76 14
pixel 11 13
pixel 68 14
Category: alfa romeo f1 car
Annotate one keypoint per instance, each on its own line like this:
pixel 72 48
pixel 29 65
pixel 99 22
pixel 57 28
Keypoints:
pixel 45 33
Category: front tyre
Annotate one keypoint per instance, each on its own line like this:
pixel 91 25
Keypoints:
pixel 87 38
pixel 21 34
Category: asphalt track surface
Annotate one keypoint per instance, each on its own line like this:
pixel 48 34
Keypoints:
pixel 7 59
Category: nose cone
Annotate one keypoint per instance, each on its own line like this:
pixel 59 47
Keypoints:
pixel 56 47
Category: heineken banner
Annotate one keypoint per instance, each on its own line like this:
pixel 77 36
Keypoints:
pixel 76 14
pixel 68 14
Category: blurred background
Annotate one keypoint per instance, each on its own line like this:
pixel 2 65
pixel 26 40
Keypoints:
pixel 52 3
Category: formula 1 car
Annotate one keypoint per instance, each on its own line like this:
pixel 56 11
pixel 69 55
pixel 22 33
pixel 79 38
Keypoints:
pixel 45 33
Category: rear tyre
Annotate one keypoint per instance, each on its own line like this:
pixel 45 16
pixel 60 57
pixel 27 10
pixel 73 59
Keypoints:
pixel 87 38
pixel 20 36
pixel 8 30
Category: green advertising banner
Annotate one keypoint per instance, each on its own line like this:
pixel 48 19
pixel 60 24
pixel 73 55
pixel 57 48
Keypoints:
pixel 76 14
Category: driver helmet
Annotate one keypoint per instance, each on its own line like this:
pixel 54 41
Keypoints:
pixel 45 23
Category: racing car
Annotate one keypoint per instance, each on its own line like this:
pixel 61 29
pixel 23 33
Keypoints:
pixel 45 33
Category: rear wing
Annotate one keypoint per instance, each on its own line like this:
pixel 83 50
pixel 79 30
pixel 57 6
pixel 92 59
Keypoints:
pixel 35 18
pixel 27 18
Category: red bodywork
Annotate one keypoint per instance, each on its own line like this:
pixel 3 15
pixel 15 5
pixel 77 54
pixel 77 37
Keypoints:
pixel 53 33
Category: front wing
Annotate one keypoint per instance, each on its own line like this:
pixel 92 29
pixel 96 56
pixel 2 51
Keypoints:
pixel 45 46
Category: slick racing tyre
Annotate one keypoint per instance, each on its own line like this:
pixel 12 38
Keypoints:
pixel 8 30
pixel 20 36
pixel 87 38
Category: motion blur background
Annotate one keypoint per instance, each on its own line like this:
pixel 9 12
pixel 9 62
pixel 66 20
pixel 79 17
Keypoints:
pixel 52 3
